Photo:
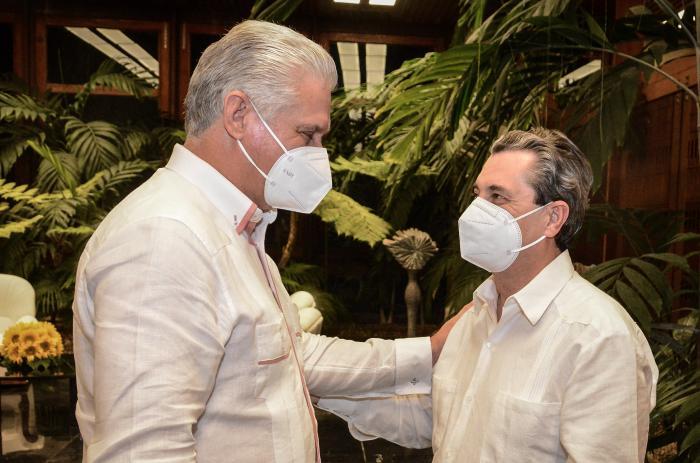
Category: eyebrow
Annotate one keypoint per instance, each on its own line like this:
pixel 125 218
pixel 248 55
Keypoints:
pixel 495 189
pixel 313 128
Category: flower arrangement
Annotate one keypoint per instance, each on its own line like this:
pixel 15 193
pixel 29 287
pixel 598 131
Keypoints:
pixel 31 348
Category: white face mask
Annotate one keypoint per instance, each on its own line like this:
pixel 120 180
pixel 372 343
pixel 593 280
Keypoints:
pixel 299 179
pixel 490 237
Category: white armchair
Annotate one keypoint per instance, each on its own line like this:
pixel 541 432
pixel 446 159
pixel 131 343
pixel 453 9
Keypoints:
pixel 17 304
pixel 310 317
pixel 16 300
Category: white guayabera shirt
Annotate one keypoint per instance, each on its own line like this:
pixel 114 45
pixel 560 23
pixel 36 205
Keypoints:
pixel 187 345
pixel 565 375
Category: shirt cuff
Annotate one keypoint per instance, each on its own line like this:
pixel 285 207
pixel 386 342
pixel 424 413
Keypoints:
pixel 345 409
pixel 414 366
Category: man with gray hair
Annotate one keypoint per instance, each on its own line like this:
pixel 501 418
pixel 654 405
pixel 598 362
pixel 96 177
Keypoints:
pixel 187 345
pixel 545 367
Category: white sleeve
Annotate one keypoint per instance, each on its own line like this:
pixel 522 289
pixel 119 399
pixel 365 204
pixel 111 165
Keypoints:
pixel 375 368
pixel 157 343
pixel 403 420
pixel 602 408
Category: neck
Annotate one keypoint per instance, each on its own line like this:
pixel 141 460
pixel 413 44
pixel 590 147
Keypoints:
pixel 526 267
pixel 216 148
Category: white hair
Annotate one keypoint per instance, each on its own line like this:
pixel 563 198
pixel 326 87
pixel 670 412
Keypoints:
pixel 262 60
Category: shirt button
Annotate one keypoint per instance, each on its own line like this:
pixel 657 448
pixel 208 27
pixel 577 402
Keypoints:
pixel 488 345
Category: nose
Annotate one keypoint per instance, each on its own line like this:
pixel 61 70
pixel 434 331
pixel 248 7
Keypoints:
pixel 317 141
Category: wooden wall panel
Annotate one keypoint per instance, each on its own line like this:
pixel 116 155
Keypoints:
pixel 692 167
pixel 643 177
pixel 663 173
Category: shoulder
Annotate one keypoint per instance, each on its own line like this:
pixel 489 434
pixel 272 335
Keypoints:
pixel 166 206
pixel 582 303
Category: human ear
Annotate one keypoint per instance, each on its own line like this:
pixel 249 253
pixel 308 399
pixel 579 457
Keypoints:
pixel 236 108
pixel 558 214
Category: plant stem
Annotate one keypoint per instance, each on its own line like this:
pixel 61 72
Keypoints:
pixel 291 239
pixel 413 298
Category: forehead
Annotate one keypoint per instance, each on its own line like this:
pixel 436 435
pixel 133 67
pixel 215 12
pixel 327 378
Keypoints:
pixel 508 169
pixel 313 102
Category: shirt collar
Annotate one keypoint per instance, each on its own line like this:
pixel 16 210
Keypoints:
pixel 238 209
pixel 486 298
pixel 537 295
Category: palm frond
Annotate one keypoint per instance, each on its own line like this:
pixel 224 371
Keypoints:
pixel 70 231
pixel 167 137
pixel 297 275
pixel 10 190
pixel 97 144
pixel 22 107
pixel 14 143
pixel 112 76
pixel 48 177
pixel 352 219
pixel 18 226
pixel 55 161
pixel 274 10
pixel 134 142
pixel 114 177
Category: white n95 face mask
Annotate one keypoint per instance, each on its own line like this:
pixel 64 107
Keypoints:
pixel 299 179
pixel 490 237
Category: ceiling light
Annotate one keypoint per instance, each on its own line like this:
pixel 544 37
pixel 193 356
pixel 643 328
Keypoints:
pixel 113 53
pixel 349 64
pixel 382 2
pixel 354 2
pixel 375 58
pixel 120 39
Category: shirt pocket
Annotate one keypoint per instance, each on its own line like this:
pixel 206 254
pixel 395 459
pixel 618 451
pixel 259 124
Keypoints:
pixel 525 431
pixel 273 352
pixel 443 391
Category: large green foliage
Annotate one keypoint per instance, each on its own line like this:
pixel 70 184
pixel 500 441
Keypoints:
pixel 424 134
pixel 85 167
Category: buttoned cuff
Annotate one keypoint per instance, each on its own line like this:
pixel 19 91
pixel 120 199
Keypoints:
pixel 414 366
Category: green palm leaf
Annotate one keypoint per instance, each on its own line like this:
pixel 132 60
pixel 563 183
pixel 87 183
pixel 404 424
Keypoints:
pixel 97 144
pixel 48 177
pixel 21 107
pixel 18 226
pixel 274 10
pixel 352 219
pixel 10 190
pixel 14 143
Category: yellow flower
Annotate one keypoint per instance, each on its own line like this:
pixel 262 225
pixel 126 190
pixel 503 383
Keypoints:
pixel 45 345
pixel 13 354
pixel 28 351
pixel 28 336
pixel 12 334
pixel 31 341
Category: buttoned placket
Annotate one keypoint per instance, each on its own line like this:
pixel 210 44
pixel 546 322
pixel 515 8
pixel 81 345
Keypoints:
pixel 257 240
pixel 497 330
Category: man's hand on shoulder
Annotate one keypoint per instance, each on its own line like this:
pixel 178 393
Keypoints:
pixel 437 340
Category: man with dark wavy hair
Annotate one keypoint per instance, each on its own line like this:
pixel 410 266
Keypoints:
pixel 546 367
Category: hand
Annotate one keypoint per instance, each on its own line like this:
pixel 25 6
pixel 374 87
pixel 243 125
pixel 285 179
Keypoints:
pixel 437 340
